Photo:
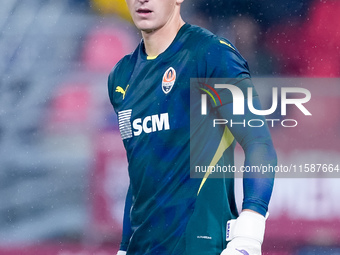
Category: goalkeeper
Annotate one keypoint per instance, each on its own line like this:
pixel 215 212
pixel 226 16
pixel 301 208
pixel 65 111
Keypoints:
pixel 167 211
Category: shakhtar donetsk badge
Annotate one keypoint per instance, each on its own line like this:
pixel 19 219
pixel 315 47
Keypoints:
pixel 169 79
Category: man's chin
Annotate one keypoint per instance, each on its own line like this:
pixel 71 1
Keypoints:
pixel 146 28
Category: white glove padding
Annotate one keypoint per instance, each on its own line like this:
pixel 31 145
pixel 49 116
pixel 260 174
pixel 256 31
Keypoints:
pixel 245 234
pixel 121 253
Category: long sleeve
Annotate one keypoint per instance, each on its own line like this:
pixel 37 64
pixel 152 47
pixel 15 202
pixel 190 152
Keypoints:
pixel 127 231
pixel 258 148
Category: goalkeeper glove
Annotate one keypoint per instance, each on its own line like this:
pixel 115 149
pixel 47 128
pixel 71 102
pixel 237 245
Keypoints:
pixel 245 234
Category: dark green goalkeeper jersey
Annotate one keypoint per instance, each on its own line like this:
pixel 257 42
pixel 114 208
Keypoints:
pixel 172 213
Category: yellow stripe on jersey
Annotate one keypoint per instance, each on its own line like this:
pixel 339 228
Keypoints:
pixel 228 44
pixel 151 57
pixel 226 140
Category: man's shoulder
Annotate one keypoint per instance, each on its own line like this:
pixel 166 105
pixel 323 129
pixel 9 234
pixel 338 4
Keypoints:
pixel 121 72
pixel 123 64
pixel 200 31
pixel 217 54
pixel 208 40
pixel 200 35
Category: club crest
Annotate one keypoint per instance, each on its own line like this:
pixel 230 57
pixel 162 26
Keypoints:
pixel 169 79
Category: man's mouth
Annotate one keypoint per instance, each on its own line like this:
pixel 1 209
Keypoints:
pixel 143 11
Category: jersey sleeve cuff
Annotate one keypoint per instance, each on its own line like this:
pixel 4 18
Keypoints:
pixel 255 207
pixel 123 246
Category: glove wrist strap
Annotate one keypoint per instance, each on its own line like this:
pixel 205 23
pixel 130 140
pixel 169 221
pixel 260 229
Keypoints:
pixel 248 225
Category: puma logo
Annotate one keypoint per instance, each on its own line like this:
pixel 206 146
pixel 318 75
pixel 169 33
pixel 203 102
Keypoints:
pixel 121 90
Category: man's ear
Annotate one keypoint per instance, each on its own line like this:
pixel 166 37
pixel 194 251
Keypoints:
pixel 179 1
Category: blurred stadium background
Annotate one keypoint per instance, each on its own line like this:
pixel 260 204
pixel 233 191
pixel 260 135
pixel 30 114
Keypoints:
pixel 63 172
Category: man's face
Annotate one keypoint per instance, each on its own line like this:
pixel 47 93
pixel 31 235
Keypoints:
pixel 150 15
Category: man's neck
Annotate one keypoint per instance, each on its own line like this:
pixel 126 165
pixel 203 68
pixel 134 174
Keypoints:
pixel 159 40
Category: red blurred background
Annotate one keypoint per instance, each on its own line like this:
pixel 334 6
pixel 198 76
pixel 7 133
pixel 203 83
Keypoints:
pixel 63 169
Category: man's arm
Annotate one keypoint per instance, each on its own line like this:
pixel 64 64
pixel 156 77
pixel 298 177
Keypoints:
pixel 258 149
pixel 127 231
pixel 247 231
